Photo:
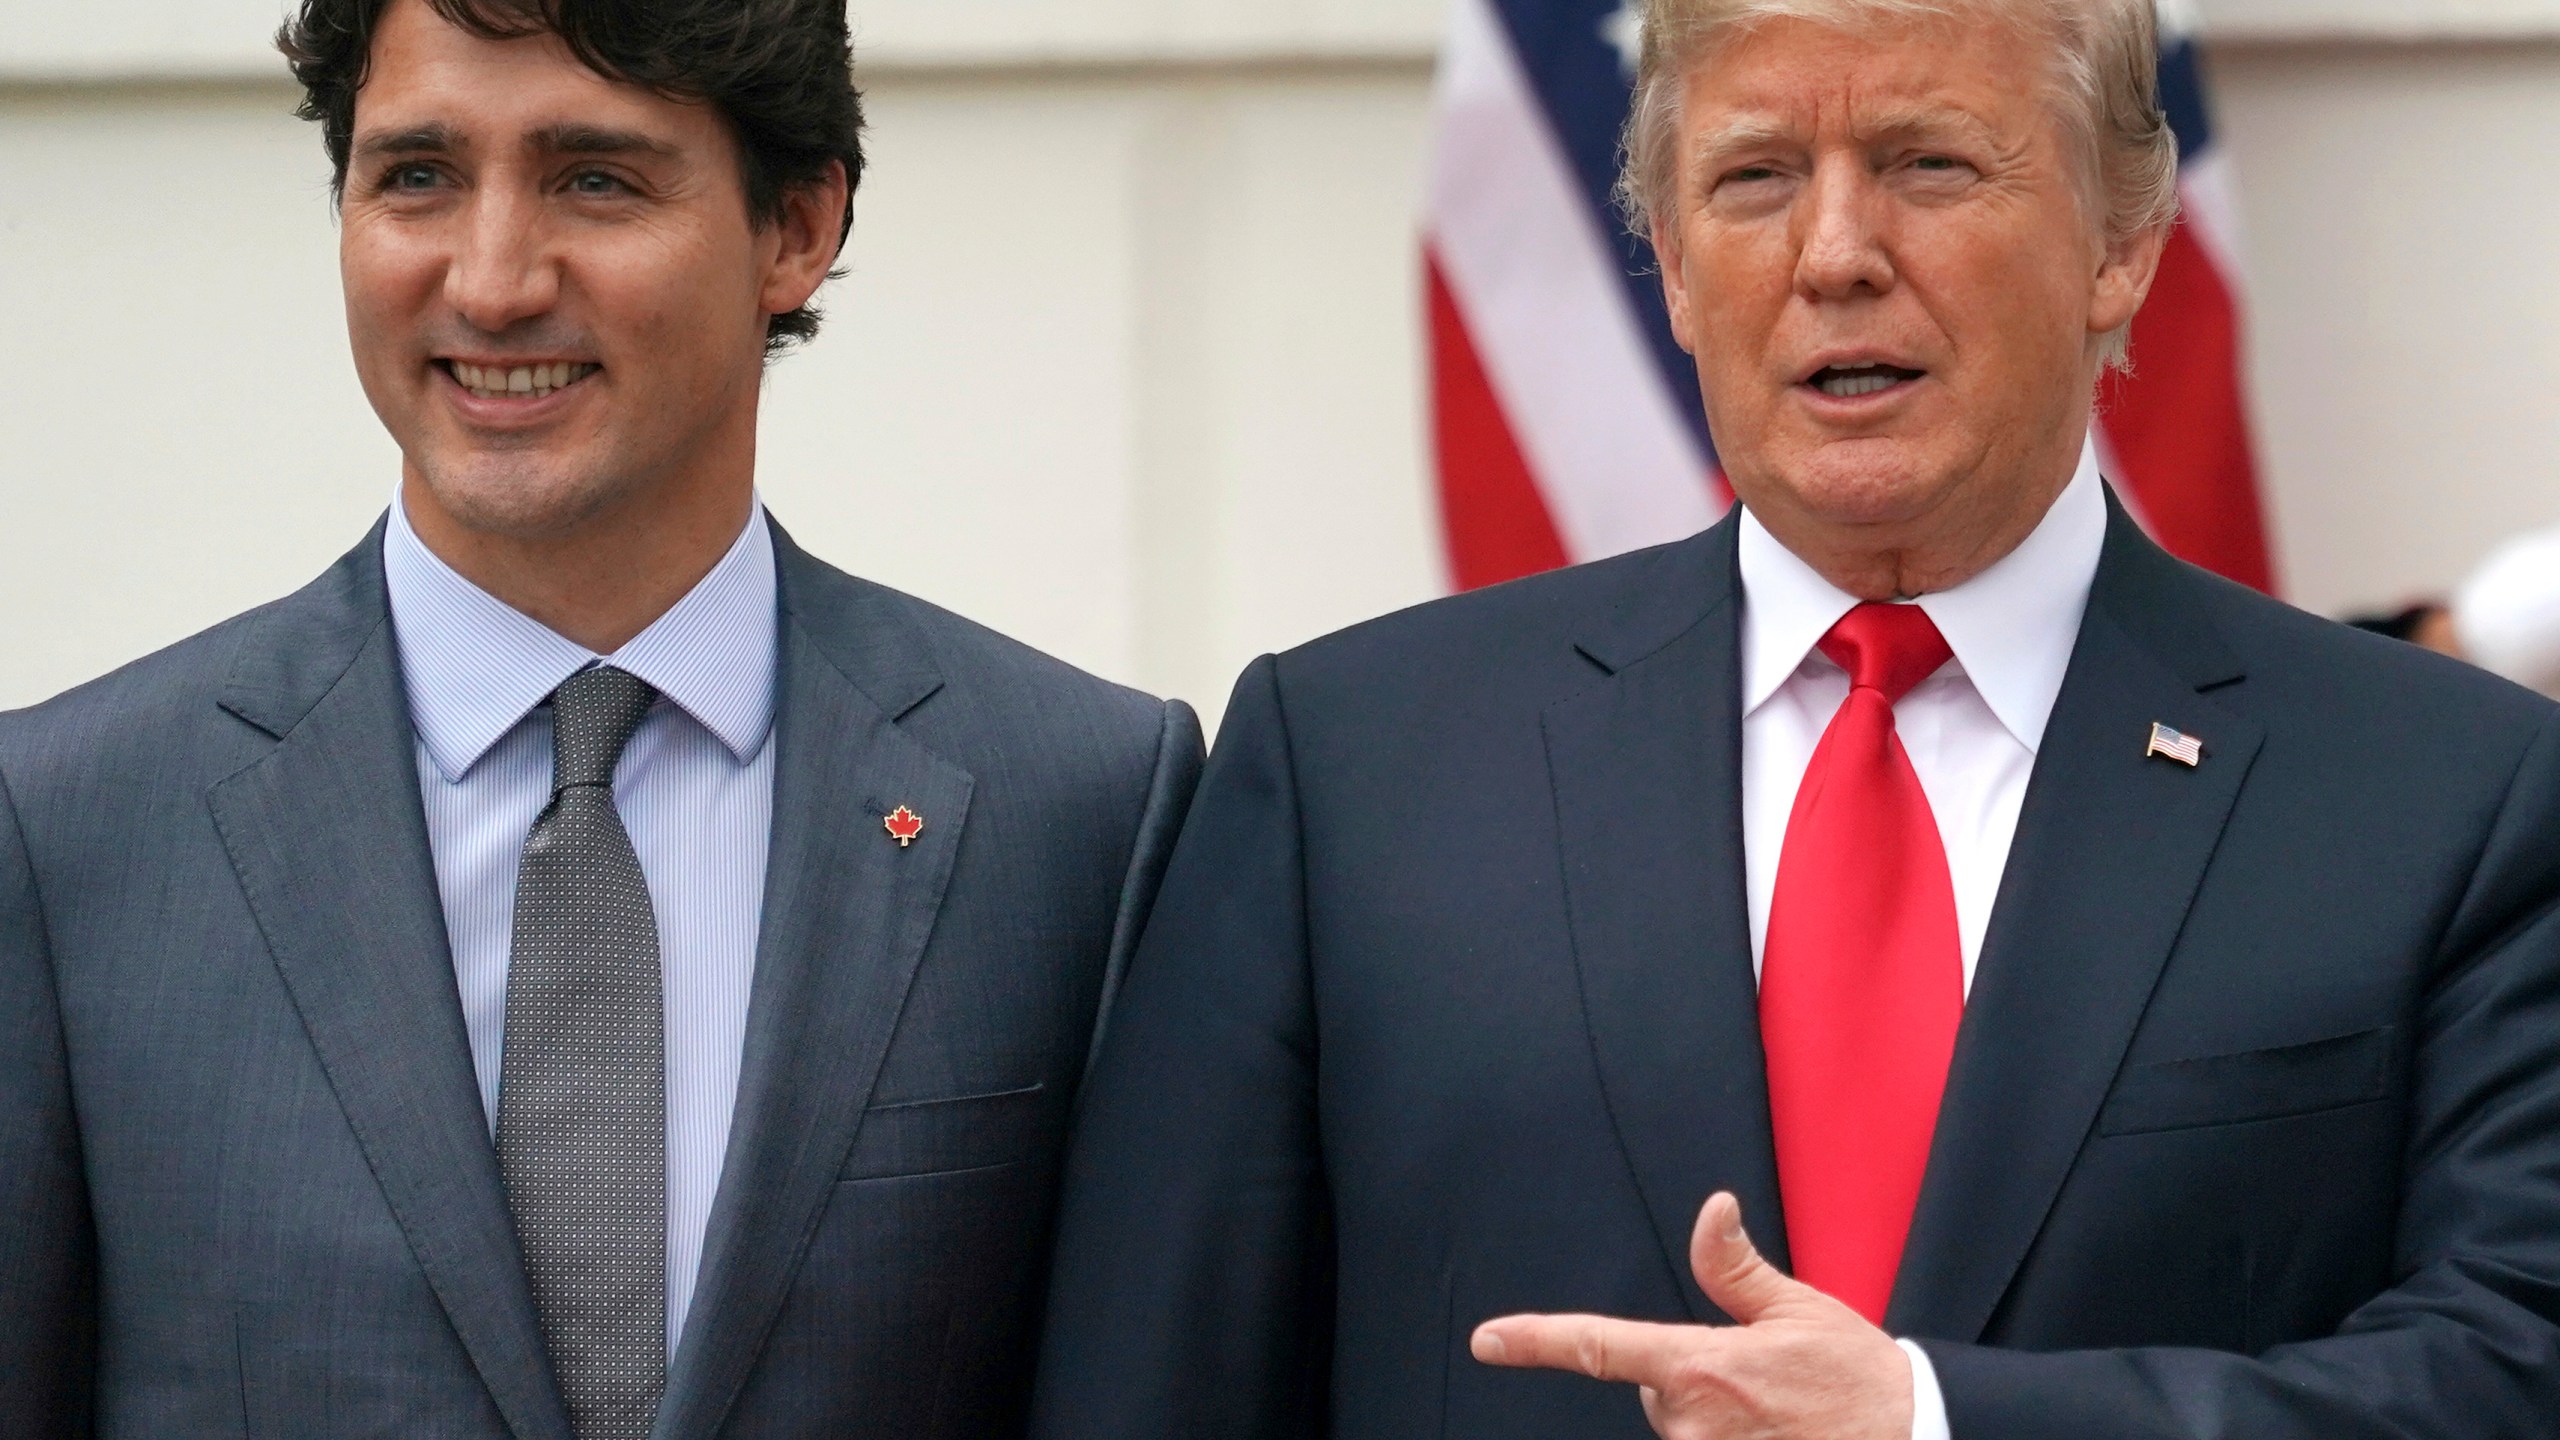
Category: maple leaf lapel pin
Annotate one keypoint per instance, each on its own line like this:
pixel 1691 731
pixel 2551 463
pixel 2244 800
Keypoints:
pixel 904 826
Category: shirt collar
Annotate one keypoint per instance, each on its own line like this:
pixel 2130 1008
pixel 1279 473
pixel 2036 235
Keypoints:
pixel 476 666
pixel 2012 627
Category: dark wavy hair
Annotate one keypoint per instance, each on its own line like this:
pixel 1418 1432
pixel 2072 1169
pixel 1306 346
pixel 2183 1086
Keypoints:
pixel 780 71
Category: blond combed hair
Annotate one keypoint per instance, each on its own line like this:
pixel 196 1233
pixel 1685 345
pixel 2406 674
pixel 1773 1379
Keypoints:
pixel 2105 80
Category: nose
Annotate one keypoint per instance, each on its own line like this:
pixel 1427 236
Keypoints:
pixel 502 273
pixel 1841 250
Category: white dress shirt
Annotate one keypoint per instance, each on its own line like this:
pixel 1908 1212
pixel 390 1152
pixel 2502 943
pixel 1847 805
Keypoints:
pixel 694 789
pixel 1972 729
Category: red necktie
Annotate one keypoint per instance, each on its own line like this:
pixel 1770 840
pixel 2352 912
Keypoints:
pixel 1862 978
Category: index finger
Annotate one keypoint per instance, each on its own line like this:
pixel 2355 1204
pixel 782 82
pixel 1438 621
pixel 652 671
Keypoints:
pixel 1631 1352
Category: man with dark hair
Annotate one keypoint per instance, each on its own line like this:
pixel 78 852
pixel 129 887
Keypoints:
pixel 582 967
pixel 778 75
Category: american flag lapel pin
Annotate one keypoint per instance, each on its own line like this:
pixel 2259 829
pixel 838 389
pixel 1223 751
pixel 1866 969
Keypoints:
pixel 2187 750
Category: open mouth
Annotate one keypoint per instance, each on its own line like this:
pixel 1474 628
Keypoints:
pixel 516 382
pixel 1854 382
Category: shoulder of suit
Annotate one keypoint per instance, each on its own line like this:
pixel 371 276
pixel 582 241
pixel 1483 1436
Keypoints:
pixel 2294 656
pixel 983 667
pixel 1533 620
pixel 146 708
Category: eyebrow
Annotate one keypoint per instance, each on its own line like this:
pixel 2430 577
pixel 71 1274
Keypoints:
pixel 1900 121
pixel 1924 121
pixel 581 139
pixel 566 138
pixel 416 140
pixel 1740 135
pixel 1715 148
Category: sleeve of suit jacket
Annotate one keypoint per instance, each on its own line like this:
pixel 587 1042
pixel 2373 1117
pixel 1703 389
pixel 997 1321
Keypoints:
pixel 2468 1340
pixel 1169 791
pixel 46 1298
pixel 1193 1246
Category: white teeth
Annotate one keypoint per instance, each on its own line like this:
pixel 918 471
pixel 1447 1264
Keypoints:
pixel 522 382
pixel 1850 387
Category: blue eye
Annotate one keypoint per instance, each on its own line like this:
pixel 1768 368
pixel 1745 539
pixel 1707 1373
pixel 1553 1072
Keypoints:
pixel 596 183
pixel 410 177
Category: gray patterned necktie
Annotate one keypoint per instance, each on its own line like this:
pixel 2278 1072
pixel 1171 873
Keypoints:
pixel 582 1100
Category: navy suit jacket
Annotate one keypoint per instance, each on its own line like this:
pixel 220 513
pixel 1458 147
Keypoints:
pixel 1447 1011
pixel 246 1183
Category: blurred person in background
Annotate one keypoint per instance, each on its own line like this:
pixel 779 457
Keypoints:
pixel 2426 624
pixel 583 968
pixel 2505 617
pixel 1917 909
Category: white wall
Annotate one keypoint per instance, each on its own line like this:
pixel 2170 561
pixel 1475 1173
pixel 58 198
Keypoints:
pixel 1128 363
pixel 202 38
pixel 1123 367
pixel 180 430
pixel 2404 210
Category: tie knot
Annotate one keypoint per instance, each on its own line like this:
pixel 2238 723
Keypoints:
pixel 592 716
pixel 1887 648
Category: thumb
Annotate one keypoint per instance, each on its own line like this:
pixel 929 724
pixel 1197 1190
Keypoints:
pixel 1730 1269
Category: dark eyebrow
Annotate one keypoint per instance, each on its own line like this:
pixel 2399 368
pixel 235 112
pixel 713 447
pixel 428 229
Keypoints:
pixel 417 140
pixel 578 139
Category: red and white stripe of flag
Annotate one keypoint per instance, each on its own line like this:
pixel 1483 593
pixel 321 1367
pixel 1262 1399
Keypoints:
pixel 1558 442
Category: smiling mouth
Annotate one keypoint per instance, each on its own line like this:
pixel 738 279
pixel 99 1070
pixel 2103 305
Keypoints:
pixel 1853 382
pixel 520 382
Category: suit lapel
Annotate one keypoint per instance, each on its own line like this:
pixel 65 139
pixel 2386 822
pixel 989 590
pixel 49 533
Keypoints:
pixel 847 914
pixel 2110 849
pixel 1646 766
pixel 328 838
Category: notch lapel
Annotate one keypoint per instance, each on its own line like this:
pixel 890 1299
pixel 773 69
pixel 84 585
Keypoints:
pixel 2111 848
pixel 847 914
pixel 327 835
pixel 1646 767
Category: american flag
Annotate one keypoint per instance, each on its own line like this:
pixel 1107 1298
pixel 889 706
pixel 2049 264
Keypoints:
pixel 1566 419
pixel 2183 748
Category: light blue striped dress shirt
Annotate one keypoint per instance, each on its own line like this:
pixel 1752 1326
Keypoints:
pixel 695 789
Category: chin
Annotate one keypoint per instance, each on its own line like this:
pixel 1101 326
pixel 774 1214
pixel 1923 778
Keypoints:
pixel 521 497
pixel 1863 482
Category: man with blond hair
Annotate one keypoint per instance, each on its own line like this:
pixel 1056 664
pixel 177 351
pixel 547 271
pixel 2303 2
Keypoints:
pixel 2116 1005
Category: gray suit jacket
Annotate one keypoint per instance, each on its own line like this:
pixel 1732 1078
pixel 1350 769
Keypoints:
pixel 246 1183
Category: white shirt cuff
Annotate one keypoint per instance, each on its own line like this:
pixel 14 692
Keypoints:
pixel 1928 1405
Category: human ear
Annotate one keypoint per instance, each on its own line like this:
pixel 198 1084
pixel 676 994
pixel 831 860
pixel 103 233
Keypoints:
pixel 2125 273
pixel 809 233
pixel 1667 256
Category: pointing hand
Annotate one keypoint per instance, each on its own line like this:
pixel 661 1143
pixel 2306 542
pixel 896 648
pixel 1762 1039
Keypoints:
pixel 1797 1365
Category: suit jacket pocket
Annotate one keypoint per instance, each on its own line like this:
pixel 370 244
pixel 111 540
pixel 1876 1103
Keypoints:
pixel 2253 1085
pixel 958 1132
